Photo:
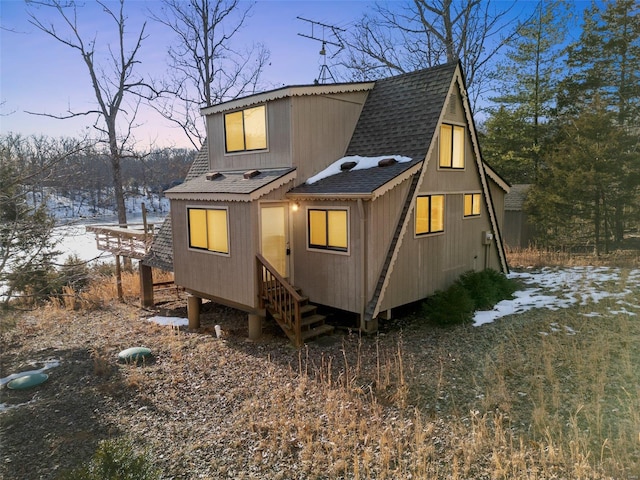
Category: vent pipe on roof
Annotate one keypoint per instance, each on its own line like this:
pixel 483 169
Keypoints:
pixel 387 162
pixel 348 165
pixel 251 174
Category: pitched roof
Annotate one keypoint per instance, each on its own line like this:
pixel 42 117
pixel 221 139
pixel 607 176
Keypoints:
pixel 239 185
pixel 399 118
pixel 514 200
pixel 160 254
pixel 356 182
pixel 286 92
pixel 401 113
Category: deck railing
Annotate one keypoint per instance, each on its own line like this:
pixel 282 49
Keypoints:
pixel 281 299
pixel 129 242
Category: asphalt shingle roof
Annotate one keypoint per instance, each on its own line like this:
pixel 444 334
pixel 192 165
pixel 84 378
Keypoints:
pixel 232 182
pixel 401 113
pixel 399 118
pixel 514 200
pixel 357 182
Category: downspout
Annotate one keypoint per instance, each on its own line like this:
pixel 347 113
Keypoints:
pixel 363 264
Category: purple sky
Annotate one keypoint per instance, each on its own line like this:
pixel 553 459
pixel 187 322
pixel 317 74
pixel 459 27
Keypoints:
pixel 39 74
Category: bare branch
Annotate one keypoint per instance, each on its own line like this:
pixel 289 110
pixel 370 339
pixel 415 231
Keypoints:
pixel 205 68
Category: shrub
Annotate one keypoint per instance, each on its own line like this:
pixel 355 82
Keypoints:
pixel 487 287
pixel 75 273
pixel 450 307
pixel 115 460
pixel 472 291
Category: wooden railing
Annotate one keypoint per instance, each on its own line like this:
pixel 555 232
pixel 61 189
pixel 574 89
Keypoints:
pixel 279 297
pixel 132 242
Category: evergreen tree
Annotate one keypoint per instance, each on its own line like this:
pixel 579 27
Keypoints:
pixel 575 201
pixel 604 66
pixel 605 61
pixel 26 246
pixel 518 130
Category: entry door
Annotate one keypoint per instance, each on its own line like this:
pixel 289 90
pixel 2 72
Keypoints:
pixel 274 236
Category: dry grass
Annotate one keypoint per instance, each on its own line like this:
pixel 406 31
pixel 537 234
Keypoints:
pixel 552 407
pixel 517 399
pixel 533 257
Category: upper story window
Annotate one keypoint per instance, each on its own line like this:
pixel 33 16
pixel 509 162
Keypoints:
pixel 451 146
pixel 246 129
pixel 472 204
pixel 429 214
pixel 328 229
pixel 208 229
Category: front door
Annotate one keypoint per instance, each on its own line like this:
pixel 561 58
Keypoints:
pixel 274 236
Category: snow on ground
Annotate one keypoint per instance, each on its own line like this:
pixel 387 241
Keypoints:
pixel 556 288
pixel 171 321
pixel 362 164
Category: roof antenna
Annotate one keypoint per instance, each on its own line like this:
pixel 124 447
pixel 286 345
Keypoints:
pixel 325 73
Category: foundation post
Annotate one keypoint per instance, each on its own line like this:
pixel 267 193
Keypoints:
pixel 193 311
pixel 255 327
pixel 146 286
pixel 119 279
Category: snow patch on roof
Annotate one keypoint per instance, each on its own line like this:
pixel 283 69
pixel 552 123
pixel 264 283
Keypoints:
pixel 362 164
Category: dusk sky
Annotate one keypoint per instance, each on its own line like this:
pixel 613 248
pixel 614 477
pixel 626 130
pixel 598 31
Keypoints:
pixel 39 74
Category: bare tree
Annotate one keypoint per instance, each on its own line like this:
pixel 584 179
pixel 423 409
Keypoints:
pixel 401 37
pixel 205 68
pixel 117 88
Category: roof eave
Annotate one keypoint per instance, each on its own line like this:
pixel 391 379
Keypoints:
pixel 329 196
pixel 235 197
pixel 286 92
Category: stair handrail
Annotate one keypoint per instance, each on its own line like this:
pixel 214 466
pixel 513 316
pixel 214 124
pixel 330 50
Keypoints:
pixel 282 296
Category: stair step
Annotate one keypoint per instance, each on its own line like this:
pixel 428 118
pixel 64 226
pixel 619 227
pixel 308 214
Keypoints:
pixel 312 320
pixel 316 332
pixel 307 309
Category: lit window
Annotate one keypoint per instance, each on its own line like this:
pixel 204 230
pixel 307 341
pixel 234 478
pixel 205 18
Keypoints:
pixel 429 214
pixel 208 229
pixel 328 229
pixel 246 130
pixel 451 146
pixel 471 204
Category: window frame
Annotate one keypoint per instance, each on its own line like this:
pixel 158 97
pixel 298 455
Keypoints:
pixel 429 219
pixel 206 227
pixel 244 135
pixel 452 150
pixel 473 204
pixel 328 248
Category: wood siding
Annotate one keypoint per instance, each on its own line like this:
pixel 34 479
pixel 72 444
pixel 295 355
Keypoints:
pixel 278 153
pixel 229 277
pixel 322 127
pixel 307 132
pixel 383 216
pixel 328 278
pixel 432 262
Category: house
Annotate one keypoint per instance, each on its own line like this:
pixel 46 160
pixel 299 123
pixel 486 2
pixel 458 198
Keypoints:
pixel 360 196
pixel 518 231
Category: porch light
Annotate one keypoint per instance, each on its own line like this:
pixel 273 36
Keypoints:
pixel 295 207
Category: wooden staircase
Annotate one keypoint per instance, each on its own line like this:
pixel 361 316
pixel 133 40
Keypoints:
pixel 289 308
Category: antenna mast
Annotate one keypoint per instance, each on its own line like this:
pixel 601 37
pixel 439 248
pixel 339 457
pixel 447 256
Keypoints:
pixel 325 73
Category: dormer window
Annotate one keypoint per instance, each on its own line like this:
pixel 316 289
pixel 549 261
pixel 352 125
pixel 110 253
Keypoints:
pixel 451 146
pixel 246 130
